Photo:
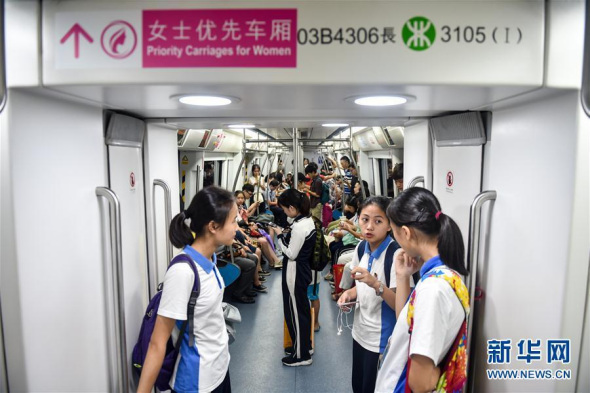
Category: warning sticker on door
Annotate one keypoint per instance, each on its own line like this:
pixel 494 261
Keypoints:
pixel 450 180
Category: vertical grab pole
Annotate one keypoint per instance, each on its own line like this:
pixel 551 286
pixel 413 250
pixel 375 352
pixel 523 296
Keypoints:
pixel 239 171
pixel 295 157
pixel 473 264
pixel 168 218
pixel 121 383
pixel 358 171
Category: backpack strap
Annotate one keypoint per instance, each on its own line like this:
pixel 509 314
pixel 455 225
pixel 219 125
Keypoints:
pixel 391 249
pixel 360 250
pixel 454 364
pixel 192 302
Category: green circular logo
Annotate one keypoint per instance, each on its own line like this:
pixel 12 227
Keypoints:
pixel 418 33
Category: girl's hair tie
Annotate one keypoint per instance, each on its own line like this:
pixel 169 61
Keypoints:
pixel 437 215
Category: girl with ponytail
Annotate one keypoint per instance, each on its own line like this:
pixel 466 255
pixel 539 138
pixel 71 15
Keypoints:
pixel 204 367
pixel 428 338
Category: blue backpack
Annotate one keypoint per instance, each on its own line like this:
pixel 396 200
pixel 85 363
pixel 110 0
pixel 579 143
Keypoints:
pixel 149 321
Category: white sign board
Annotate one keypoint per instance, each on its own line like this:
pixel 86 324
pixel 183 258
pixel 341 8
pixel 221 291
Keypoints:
pixel 480 42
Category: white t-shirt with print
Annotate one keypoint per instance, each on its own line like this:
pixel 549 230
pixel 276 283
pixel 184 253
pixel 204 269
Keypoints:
pixel 203 367
pixel 438 315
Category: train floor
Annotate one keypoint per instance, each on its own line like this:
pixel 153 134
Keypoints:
pixel 256 354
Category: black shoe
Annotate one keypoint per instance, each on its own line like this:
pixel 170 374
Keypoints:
pixel 289 351
pixel 243 299
pixel 262 279
pixel 250 294
pixel 263 273
pixel 292 361
pixel 260 288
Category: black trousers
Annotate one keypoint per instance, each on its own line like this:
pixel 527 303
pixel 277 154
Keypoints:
pixel 244 282
pixel 364 369
pixel 225 386
pixel 334 247
pixel 297 310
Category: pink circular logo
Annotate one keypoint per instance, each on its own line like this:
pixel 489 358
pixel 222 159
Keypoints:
pixel 132 179
pixel 118 39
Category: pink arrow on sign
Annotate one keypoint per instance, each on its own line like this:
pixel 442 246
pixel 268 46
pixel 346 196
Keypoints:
pixel 76 30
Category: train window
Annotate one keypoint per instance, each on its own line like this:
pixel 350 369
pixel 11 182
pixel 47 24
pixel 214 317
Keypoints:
pixel 209 174
pixel 219 172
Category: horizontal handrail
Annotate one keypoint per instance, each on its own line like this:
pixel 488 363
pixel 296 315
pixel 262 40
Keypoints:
pixel 415 181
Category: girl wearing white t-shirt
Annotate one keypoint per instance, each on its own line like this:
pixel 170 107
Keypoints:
pixel 256 180
pixel 205 366
pixel 374 315
pixel 432 243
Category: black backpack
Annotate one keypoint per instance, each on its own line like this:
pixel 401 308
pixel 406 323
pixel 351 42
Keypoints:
pixel 321 252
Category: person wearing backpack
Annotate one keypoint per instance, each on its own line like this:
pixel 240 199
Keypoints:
pixel 321 258
pixel 373 270
pixel 429 338
pixel 315 190
pixel 298 251
pixel 204 366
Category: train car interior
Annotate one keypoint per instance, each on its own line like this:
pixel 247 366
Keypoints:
pixel 99 150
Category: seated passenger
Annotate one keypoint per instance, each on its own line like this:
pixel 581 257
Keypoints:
pixel 358 194
pixel 347 233
pixel 242 289
pixel 271 198
pixel 254 208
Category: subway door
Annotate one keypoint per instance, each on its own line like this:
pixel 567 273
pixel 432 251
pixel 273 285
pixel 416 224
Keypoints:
pixel 52 286
pixel 124 139
pixel 456 182
pixel 417 155
pixel 162 203
pixel 457 165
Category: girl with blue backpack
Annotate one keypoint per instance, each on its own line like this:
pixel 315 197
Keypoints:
pixel 204 365
pixel 427 349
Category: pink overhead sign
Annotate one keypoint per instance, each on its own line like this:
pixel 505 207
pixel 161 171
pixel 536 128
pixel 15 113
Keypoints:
pixel 220 38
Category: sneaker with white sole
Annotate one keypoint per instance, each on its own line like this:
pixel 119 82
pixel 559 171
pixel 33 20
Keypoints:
pixel 292 361
pixel 289 351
